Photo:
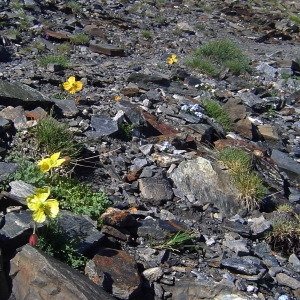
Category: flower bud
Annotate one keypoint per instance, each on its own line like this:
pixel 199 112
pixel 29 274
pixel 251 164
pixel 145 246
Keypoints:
pixel 33 239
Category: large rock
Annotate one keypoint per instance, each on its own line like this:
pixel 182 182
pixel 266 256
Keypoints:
pixel 208 183
pixel 36 275
pixel 116 271
pixel 16 93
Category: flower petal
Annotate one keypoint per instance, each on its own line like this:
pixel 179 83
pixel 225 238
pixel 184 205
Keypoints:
pixel 78 85
pixel 51 208
pixel 44 165
pixel 42 194
pixel 67 86
pixel 71 79
pixel 39 216
pixel 55 156
pixel 59 162
pixel 32 202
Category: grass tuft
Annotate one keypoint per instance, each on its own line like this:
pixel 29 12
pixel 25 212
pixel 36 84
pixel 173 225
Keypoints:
pixel 216 55
pixel 54 59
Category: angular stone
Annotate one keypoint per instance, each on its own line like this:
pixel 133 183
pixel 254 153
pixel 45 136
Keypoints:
pixel 107 49
pixel 239 247
pixel 237 227
pixel 155 188
pixel 4 54
pixel 116 272
pixel 67 107
pixel 153 274
pixel 159 229
pixel 16 115
pixel 269 132
pixel 4 124
pixel 118 218
pixel 16 93
pixel 36 113
pixel 235 109
pixel 245 128
pixel 103 126
pixel 57 35
pixel 79 227
pixel 147 82
pixel 259 226
pixel 247 265
pixel 17 229
pixel 94 31
pixel 21 189
pixel 287 280
pixel 208 183
pixel 36 275
pixel 251 99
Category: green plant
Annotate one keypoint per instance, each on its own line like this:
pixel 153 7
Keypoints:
pixel 80 39
pixel 146 34
pixel 79 197
pixel 54 59
pixel 53 241
pixel 223 53
pixel 285 233
pixel 125 130
pixel 74 6
pixel 16 6
pixel 53 136
pixel 246 180
pixel 60 96
pixel 216 111
pixel 15 32
pixel 64 48
pixel 177 241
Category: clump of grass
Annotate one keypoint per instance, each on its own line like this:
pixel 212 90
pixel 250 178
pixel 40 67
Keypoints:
pixel 74 6
pixel 125 131
pixel 216 111
pixel 177 241
pixel 285 233
pixel 80 39
pixel 216 55
pixel 64 48
pixel 246 180
pixel 146 34
pixel 53 136
pixel 54 59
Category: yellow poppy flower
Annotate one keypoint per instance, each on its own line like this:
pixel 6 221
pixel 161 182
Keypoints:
pixel 117 98
pixel 42 206
pixel 51 162
pixel 72 86
pixel 172 59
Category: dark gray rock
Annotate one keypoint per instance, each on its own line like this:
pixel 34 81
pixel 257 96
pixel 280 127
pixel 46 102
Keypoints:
pixel 16 93
pixel 4 54
pixel 247 265
pixel 237 227
pixel 102 125
pixel 67 107
pixel 36 275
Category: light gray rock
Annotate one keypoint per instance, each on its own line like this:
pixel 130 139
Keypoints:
pixel 102 125
pixel 287 280
pixel 7 169
pixel 259 226
pixel 208 183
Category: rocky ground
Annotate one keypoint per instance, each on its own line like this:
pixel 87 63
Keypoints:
pixel 166 177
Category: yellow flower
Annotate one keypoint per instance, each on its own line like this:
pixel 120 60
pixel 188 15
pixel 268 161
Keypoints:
pixel 117 98
pixel 51 162
pixel 72 86
pixel 41 206
pixel 172 59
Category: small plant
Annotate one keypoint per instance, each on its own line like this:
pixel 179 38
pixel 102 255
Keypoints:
pixel 74 6
pixel 246 180
pixel 80 39
pixel 54 59
pixel 177 241
pixel 60 96
pixel 212 56
pixel 125 130
pixel 215 110
pixel 64 48
pixel 146 34
pixel 285 233
pixel 53 136
pixel 53 241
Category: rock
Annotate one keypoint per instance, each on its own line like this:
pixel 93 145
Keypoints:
pixel 116 272
pixel 153 274
pixel 289 281
pixel 259 226
pixel 118 218
pixel 207 183
pixel 20 94
pixel 67 107
pixel 16 115
pixel 269 132
pixel 102 126
pixel 4 54
pixel 248 265
pixel 37 275
pixel 157 189
pixel 237 227
pixel 107 49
